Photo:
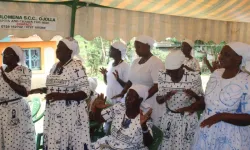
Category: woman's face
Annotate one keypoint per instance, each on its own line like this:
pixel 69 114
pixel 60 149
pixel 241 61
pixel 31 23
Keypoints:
pixel 186 48
pixel 229 58
pixel 132 99
pixel 174 73
pixel 141 49
pixel 63 52
pixel 114 53
pixel 10 57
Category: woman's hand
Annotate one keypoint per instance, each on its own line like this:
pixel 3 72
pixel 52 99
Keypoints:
pixel 144 118
pixel 163 99
pixel 216 64
pixel 190 109
pixel 191 93
pixel 99 103
pixel 103 71
pixel 211 120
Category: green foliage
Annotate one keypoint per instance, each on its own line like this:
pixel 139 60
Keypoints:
pixel 160 54
pixel 95 52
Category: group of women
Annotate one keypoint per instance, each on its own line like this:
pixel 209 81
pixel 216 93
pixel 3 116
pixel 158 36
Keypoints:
pixel 141 95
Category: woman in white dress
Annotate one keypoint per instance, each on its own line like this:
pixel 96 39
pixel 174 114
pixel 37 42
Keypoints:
pixel 66 121
pixel 190 62
pixel 226 119
pixel 178 88
pixel 116 76
pixel 131 127
pixel 144 70
pixel 17 129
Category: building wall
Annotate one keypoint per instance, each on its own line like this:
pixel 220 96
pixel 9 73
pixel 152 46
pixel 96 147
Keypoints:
pixel 44 46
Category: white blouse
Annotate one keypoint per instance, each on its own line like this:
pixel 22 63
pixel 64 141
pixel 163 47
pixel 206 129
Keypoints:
pixel 147 73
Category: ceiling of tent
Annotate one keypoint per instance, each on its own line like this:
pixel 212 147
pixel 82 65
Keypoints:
pixel 224 10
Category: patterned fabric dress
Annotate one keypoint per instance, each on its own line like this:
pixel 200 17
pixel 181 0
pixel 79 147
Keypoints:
pixel 178 128
pixel 17 129
pixel 225 95
pixel 122 137
pixel 192 63
pixel 66 123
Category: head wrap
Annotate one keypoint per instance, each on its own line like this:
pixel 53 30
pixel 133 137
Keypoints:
pixel 146 40
pixel 243 50
pixel 142 91
pixel 72 44
pixel 121 47
pixel 92 84
pixel 174 60
pixel 191 43
pixel 20 53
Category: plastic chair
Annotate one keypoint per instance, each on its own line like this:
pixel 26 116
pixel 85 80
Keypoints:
pixel 158 136
pixel 96 131
pixel 35 106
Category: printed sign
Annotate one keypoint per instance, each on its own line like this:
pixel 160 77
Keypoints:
pixel 27 22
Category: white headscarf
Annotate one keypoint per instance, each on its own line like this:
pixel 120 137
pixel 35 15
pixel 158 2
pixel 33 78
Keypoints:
pixel 121 47
pixel 146 40
pixel 191 43
pixel 174 60
pixel 243 50
pixel 20 53
pixel 72 44
pixel 141 90
pixel 92 84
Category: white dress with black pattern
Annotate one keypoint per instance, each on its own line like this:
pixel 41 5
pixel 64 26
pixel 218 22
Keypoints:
pixel 178 129
pixel 129 137
pixel 66 123
pixel 229 96
pixel 17 129
pixel 192 63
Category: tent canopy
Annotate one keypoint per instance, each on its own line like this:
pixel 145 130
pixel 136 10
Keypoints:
pixel 217 20
pixel 224 10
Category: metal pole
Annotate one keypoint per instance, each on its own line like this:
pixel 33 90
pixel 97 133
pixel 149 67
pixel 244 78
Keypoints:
pixel 73 17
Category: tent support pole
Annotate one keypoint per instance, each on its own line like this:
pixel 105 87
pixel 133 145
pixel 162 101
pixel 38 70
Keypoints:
pixel 73 16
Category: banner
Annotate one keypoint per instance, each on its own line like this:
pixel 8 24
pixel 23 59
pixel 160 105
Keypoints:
pixel 27 22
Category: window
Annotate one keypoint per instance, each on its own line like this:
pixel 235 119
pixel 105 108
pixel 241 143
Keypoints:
pixel 33 58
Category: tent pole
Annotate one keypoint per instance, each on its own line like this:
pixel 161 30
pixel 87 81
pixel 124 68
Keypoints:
pixel 73 17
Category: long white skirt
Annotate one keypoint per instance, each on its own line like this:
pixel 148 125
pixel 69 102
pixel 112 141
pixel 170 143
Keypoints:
pixel 17 129
pixel 178 130
pixel 158 110
pixel 66 126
